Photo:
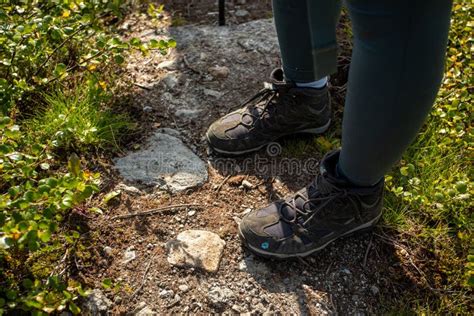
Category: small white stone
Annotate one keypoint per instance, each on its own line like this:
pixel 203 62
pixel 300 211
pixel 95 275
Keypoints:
pixel 247 184
pixel 191 213
pixel 129 255
pixel 183 288
pixel 108 250
pixel 147 109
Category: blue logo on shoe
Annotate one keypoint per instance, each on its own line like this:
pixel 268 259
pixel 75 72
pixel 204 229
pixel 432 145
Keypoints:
pixel 265 245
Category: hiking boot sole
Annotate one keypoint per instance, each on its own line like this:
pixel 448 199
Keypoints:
pixel 317 130
pixel 364 227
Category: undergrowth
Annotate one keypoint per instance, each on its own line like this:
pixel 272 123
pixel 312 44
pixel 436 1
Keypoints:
pixel 56 88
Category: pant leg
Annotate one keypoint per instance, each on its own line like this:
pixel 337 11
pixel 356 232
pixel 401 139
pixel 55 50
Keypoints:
pixel 307 36
pixel 396 70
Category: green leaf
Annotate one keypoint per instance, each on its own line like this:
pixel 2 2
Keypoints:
pixel 119 59
pixel 109 196
pixel 60 69
pixel 74 165
pixel 74 308
pixel 107 283
pixel 171 43
pixel 45 235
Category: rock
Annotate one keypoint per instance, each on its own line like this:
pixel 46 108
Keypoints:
pixel 183 288
pixel 220 295
pixel 165 293
pixel 196 248
pixel 247 184
pixel 375 290
pixel 108 250
pixel 170 80
pixel 146 311
pixel 129 255
pixel 96 303
pixel 191 213
pixel 147 109
pixel 168 65
pixel 166 162
pixel 213 93
pixel 241 13
pixel 187 113
pixel 139 307
pixel 219 72
pixel 346 271
pixel 128 189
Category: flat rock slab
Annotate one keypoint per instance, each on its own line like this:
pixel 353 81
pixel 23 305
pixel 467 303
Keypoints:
pixel 196 248
pixel 164 161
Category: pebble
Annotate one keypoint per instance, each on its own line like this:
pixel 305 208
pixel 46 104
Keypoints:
pixel 375 290
pixel 183 288
pixel 129 255
pixel 219 72
pixel 128 189
pixel 170 80
pixel 108 250
pixel 241 13
pixel 192 213
pixel 213 93
pixel 220 295
pixel 147 109
pixel 247 184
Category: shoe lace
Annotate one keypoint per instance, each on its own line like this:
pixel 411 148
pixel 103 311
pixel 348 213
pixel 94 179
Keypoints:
pixel 305 215
pixel 269 93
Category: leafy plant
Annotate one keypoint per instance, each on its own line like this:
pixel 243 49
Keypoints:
pixel 33 201
pixel 45 42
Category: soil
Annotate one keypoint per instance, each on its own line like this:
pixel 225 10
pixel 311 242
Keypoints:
pixel 360 274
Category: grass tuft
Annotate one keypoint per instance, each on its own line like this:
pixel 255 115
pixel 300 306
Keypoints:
pixel 78 121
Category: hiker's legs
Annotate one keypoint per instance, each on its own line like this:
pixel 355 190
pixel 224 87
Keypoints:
pixel 395 73
pixel 307 36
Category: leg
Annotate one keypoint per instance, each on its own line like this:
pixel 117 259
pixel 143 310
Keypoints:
pixel 396 70
pixel 307 36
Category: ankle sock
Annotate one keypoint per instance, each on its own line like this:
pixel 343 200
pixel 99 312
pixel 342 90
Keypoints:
pixel 318 84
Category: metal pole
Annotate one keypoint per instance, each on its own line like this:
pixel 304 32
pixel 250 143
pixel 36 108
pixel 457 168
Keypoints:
pixel 221 12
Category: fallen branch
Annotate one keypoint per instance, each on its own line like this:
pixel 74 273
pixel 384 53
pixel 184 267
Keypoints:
pixel 157 210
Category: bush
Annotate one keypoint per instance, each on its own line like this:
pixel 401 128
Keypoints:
pixel 44 42
pixel 49 50
pixel 33 201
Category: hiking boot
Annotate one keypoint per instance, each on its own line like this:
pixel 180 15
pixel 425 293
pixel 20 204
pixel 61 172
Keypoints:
pixel 280 109
pixel 327 209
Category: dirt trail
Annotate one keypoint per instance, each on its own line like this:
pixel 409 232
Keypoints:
pixel 179 91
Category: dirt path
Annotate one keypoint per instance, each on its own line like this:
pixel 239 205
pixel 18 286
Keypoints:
pixel 183 92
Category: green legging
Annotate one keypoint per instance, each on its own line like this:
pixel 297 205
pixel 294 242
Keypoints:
pixel 395 73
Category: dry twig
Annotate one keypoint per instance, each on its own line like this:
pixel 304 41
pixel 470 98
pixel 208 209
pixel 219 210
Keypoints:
pixel 157 210
pixel 143 279
pixel 364 263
